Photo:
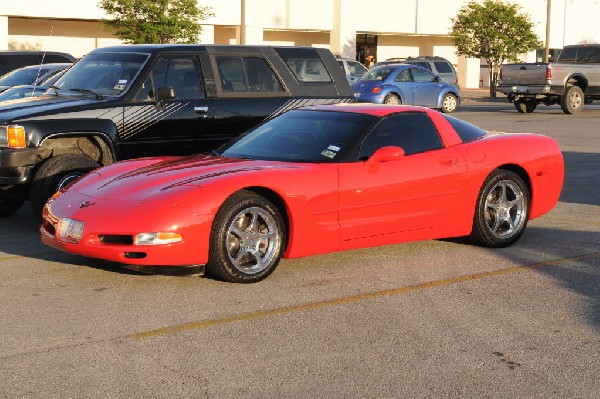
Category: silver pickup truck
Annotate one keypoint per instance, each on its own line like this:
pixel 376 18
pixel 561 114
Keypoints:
pixel 571 81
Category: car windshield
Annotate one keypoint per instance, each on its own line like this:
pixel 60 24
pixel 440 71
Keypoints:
pixel 22 76
pixel 302 136
pixel 101 74
pixel 378 73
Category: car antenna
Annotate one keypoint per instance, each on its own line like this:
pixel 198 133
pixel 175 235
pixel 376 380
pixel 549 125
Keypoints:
pixel 35 82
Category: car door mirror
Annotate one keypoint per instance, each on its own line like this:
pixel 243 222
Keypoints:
pixel 165 93
pixel 386 154
pixel 436 78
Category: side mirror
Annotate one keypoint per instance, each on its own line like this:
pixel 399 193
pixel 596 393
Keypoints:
pixel 436 78
pixel 165 93
pixel 384 154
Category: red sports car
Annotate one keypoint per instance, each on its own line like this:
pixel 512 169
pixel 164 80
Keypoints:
pixel 310 181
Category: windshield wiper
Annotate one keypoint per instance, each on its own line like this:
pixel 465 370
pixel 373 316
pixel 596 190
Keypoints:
pixel 88 91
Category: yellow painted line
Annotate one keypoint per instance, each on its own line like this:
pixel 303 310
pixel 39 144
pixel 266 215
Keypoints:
pixel 350 299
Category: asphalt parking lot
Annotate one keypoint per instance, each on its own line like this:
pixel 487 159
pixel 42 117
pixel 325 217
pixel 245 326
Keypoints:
pixel 432 319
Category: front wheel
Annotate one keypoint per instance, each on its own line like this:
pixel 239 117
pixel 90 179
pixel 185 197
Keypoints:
pixel 572 100
pixel 525 106
pixel 502 210
pixel 55 174
pixel 247 239
pixel 449 103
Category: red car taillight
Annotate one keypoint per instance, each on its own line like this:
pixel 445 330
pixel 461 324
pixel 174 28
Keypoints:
pixel 548 73
pixel 376 90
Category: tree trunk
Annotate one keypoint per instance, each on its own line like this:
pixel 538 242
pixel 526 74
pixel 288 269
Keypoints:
pixel 493 79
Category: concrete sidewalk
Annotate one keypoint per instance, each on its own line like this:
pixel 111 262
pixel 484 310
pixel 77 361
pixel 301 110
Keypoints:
pixel 481 95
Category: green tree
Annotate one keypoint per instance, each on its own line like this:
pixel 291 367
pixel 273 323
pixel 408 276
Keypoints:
pixel 495 31
pixel 155 21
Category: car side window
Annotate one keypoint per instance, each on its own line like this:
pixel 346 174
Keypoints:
pixel 442 67
pixel 413 132
pixel 356 68
pixel 403 76
pixel 181 74
pixel 422 76
pixel 246 74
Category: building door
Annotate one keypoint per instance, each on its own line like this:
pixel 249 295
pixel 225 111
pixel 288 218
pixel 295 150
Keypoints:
pixel 366 45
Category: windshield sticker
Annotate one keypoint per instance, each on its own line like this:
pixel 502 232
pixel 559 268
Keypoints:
pixel 329 154
pixel 334 148
pixel 120 84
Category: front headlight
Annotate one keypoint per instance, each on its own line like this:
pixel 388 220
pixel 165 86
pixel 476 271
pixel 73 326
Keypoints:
pixel 70 230
pixel 12 136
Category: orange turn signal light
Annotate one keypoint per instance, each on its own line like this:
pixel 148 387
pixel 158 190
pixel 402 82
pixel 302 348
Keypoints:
pixel 16 136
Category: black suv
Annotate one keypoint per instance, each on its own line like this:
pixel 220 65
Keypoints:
pixel 133 101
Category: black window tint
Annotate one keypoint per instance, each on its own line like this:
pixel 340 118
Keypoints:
pixel 55 58
pixel 181 74
pixel 421 64
pixel 414 132
pixel 421 76
pixel 443 67
pixel 12 62
pixel 593 54
pixel 403 76
pixel 466 131
pixel 568 54
pixel 305 64
pixel 247 74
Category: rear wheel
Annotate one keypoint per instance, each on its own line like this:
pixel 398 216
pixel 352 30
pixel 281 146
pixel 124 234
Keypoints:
pixel 525 106
pixel 449 103
pixel 55 174
pixel 247 239
pixel 8 206
pixel 572 100
pixel 502 210
pixel 392 99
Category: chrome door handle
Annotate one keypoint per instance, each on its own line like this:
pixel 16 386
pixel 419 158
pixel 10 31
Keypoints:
pixel 200 110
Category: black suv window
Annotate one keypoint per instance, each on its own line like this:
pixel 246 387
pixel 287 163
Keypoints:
pixel 247 74
pixel 305 64
pixel 568 54
pixel 181 74
pixel 414 132
pixel 593 54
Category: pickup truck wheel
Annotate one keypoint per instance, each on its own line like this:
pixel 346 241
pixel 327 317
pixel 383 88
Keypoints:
pixel 8 206
pixel 525 106
pixel 572 100
pixel 55 174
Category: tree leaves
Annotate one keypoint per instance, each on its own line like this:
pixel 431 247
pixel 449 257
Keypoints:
pixel 155 21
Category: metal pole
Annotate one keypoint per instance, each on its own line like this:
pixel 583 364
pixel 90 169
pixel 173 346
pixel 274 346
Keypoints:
pixel 547 48
pixel 243 22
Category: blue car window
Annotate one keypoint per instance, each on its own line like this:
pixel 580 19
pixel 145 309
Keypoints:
pixel 403 76
pixel 422 76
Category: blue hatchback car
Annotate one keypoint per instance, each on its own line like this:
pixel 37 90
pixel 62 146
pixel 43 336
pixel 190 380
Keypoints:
pixel 406 84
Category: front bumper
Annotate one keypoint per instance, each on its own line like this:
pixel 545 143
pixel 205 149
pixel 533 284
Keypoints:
pixel 16 165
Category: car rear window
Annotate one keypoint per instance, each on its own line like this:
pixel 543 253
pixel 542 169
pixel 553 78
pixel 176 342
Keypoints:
pixel 305 64
pixel 443 67
pixel 466 131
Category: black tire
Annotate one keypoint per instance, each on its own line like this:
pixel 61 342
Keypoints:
pixel 449 103
pixel 54 174
pixel 525 106
pixel 572 100
pixel 247 239
pixel 502 210
pixel 392 99
pixel 8 206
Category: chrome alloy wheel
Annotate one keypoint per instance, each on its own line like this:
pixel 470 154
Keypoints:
pixel 505 209
pixel 253 240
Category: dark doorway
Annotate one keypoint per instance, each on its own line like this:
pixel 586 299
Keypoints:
pixel 366 45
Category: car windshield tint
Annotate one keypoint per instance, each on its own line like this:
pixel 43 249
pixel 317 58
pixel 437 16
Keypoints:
pixel 22 77
pixel 107 74
pixel 379 73
pixel 465 130
pixel 302 136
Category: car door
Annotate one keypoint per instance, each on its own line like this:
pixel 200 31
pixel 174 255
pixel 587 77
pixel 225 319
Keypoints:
pixel 419 191
pixel 173 126
pixel 403 80
pixel 426 87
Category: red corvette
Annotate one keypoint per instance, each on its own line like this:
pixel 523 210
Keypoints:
pixel 310 181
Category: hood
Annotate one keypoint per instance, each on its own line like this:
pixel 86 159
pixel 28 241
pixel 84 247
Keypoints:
pixel 138 180
pixel 24 108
